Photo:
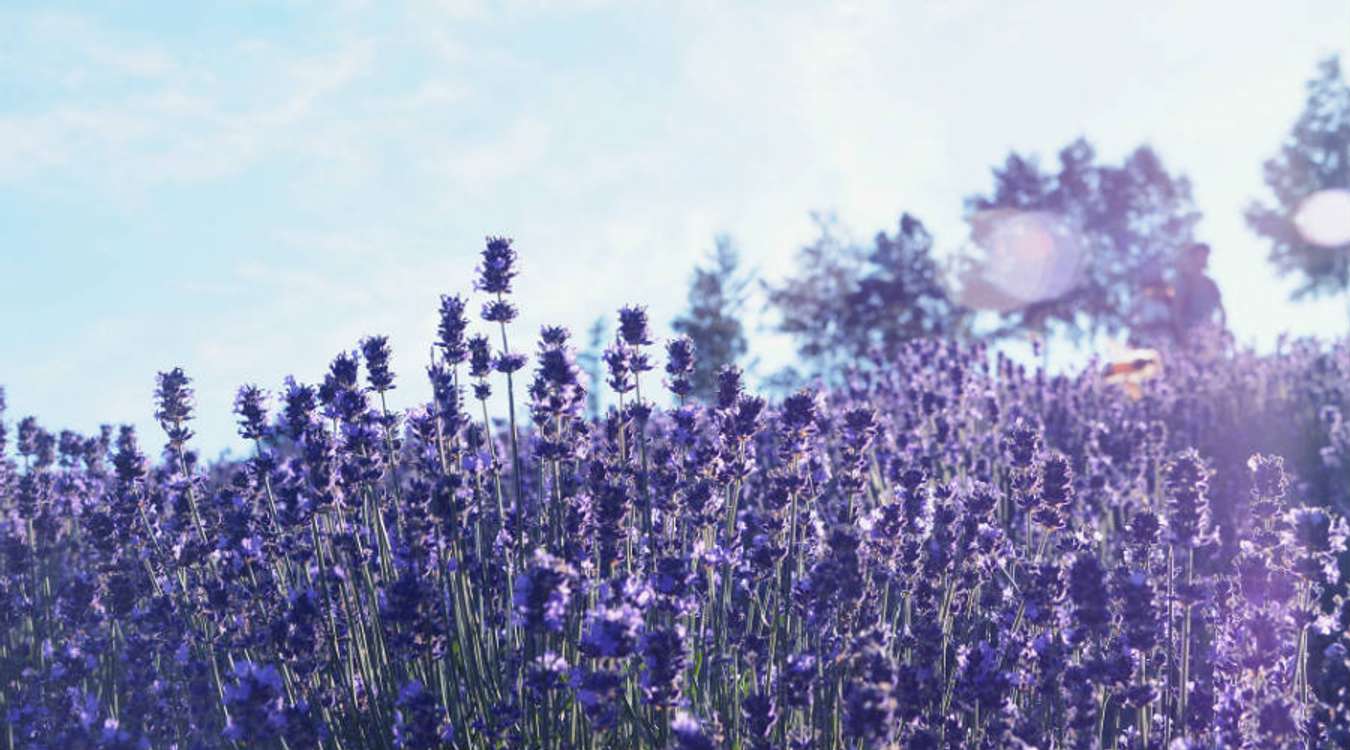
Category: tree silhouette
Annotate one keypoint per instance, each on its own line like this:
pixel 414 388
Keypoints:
pixel 717 294
pixel 849 304
pixel 591 362
pixel 1315 156
pixel 1130 219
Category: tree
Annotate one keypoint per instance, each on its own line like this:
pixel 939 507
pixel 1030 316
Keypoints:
pixel 591 362
pixel 850 304
pixel 717 294
pixel 1130 220
pixel 1315 156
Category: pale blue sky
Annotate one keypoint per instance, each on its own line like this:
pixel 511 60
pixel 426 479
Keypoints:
pixel 246 188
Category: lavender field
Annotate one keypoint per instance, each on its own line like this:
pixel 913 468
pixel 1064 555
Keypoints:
pixel 944 550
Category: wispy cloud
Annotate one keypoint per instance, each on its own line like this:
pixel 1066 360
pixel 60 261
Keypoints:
pixel 508 155
pixel 176 129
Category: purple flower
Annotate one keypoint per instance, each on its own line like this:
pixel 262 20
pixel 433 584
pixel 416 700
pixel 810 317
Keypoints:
pixel 174 395
pixel 449 398
pixel 498 267
pixel 1053 491
pixel 869 695
pixel 1188 503
pixel 499 311
pixel 376 351
pixel 672 577
pixel 340 393
pixel 663 655
pixel 598 693
pixel 300 406
pixel 633 328
pixel 556 394
pixel 1087 591
pixel 419 721
pixel 729 386
pixel 1269 484
pixel 450 331
pixel 26 440
pixel 542 593
pixel 508 362
pixel 981 681
pixel 557 369
pixel 547 673
pixel 759 712
pixel 1276 722
pixel 611 631
pixel 689 733
pixel 254 699
pixel 128 462
pixel 1138 614
pixel 480 356
pixel 619 363
pixel 402 601
pixel 251 406
pixel 798 424
pixel 680 366
pixel 1021 443
pixel 1144 528
pixel 798 677
pixel 344 371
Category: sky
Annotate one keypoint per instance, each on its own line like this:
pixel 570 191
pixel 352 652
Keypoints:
pixel 246 188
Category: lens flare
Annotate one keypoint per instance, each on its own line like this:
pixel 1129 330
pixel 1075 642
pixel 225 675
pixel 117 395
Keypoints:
pixel 1022 257
pixel 1323 218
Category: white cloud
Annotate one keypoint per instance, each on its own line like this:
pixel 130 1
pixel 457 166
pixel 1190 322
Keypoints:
pixel 508 156
pixel 480 9
pixel 76 53
pixel 174 133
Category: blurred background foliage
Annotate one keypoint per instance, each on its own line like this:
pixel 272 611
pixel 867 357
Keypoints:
pixel 1091 246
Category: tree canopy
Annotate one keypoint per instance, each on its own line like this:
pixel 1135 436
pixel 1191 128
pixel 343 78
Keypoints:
pixel 1131 219
pixel 851 303
pixel 1315 156
pixel 717 294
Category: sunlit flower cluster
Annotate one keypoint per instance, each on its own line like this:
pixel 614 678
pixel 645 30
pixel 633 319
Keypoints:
pixel 947 550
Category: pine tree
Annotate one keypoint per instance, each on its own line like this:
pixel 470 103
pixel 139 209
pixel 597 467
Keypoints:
pixel 717 294
pixel 591 361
